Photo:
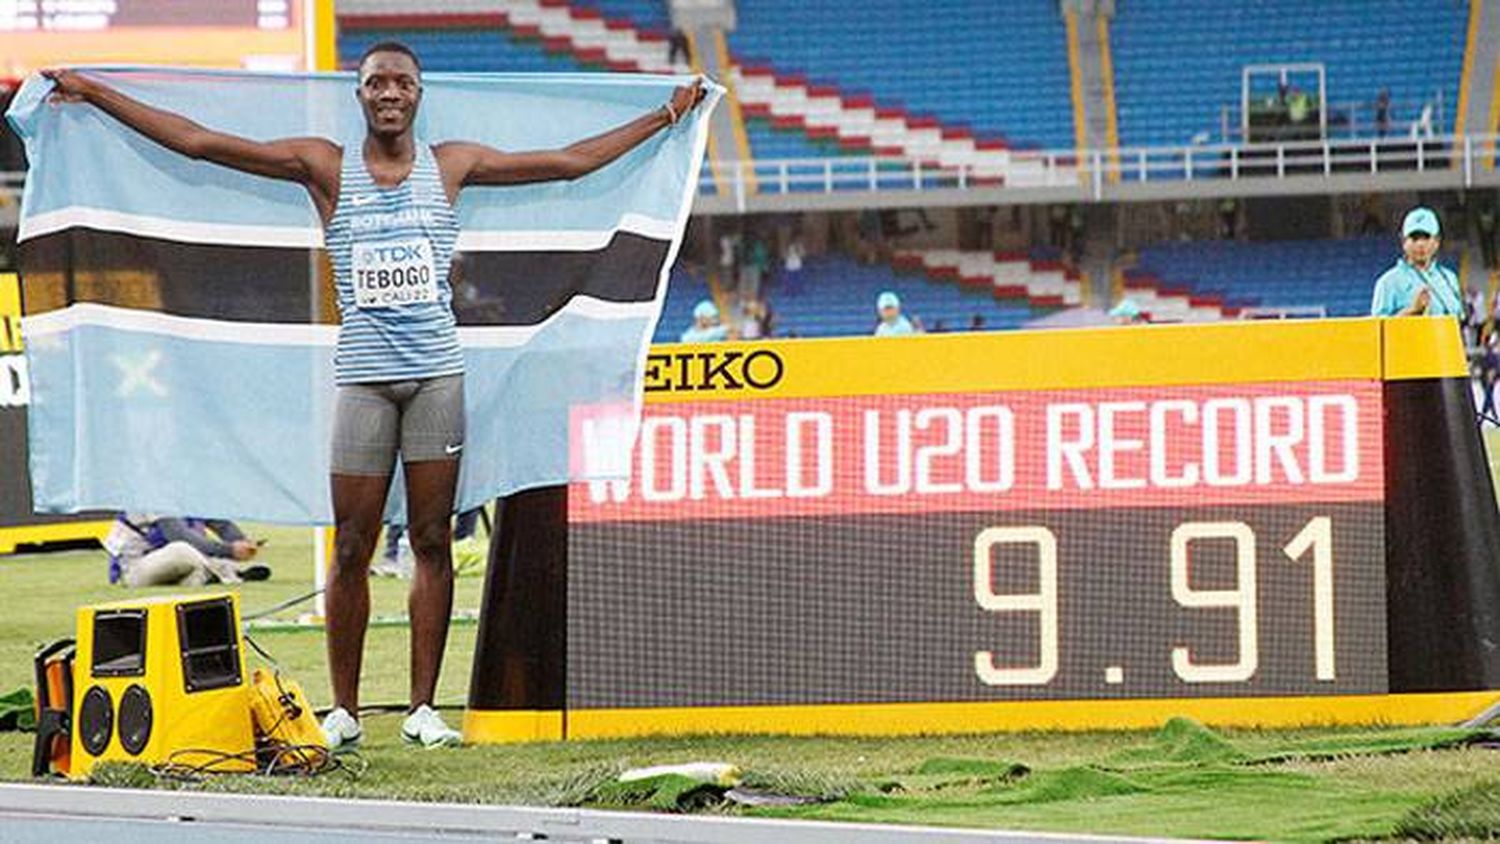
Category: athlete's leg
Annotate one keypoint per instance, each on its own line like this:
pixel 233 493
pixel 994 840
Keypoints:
pixel 432 436
pixel 430 486
pixel 364 453
pixel 358 501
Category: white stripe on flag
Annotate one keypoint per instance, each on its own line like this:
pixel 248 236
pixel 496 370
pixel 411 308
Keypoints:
pixel 300 237
pixel 40 326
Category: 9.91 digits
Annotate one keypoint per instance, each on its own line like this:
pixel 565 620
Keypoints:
pixel 1315 537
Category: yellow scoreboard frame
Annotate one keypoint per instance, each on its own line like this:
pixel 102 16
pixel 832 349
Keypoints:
pixel 1411 374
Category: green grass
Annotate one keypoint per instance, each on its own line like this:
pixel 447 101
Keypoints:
pixel 1304 785
pixel 42 591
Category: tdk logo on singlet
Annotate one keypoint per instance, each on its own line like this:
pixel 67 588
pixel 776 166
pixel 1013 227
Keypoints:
pixel 728 370
pixel 397 252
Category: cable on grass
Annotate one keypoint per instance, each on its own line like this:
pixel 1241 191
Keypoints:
pixel 284 605
pixel 266 760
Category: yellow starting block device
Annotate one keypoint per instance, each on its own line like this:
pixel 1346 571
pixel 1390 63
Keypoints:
pixel 159 680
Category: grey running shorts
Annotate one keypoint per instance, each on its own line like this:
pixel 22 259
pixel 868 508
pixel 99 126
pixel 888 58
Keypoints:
pixel 423 419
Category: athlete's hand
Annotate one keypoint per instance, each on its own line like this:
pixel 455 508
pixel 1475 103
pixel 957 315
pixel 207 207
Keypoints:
pixel 687 97
pixel 68 86
pixel 243 549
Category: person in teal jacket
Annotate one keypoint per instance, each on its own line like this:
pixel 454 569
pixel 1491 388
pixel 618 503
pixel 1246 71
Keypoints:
pixel 706 327
pixel 1418 285
pixel 892 322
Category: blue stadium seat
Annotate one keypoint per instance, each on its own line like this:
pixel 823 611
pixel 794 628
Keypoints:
pixel 649 15
pixel 1177 64
pixel 1336 274
pixel 998 68
pixel 456 50
pixel 837 299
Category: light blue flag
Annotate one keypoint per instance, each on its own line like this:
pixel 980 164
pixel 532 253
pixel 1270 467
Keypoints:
pixel 179 333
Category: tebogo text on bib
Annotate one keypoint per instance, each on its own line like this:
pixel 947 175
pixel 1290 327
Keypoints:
pixel 389 273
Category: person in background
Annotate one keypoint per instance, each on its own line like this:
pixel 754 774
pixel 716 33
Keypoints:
pixel 1383 113
pixel 1076 234
pixel 753 270
pixel 163 551
pixel 871 239
pixel 750 311
pixel 1370 221
pixel 791 267
pixel 1127 312
pixel 1486 222
pixel 892 322
pixel 1229 218
pixel 466 546
pixel 729 257
pixel 706 327
pixel 1418 285
pixel 677 47
pixel 1489 373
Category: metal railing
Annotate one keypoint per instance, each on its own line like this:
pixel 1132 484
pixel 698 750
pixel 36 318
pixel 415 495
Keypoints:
pixel 1085 175
pixel 1094 169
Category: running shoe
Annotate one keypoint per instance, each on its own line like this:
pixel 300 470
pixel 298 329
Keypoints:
pixel 341 730
pixel 425 727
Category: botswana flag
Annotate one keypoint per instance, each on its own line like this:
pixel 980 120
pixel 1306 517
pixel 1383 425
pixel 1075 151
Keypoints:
pixel 180 318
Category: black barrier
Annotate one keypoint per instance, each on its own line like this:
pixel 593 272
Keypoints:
pixel 1442 541
pixel 520 656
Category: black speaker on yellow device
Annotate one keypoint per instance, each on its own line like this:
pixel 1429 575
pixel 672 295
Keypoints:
pixel 161 679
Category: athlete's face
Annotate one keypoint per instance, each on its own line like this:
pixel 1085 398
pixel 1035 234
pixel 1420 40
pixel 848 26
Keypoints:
pixel 390 89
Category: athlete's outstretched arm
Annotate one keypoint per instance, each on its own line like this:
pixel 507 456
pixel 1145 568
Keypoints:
pixel 477 164
pixel 309 161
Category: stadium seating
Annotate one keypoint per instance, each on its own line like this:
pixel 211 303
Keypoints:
pixel 999 70
pixel 1191 280
pixel 894 79
pixel 649 15
pixel 838 299
pixel 837 294
pixel 1176 64
pixel 1038 280
pixel 591 33
pixel 490 48
pixel 965 132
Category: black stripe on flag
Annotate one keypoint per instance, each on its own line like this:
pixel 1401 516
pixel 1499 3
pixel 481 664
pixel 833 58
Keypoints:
pixel 271 284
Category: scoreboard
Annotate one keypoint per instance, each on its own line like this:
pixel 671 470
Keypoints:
pixel 1011 545
pixel 255 34
pixel 1268 523
pixel 104 14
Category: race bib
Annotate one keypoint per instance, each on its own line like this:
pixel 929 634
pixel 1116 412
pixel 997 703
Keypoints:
pixel 390 273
